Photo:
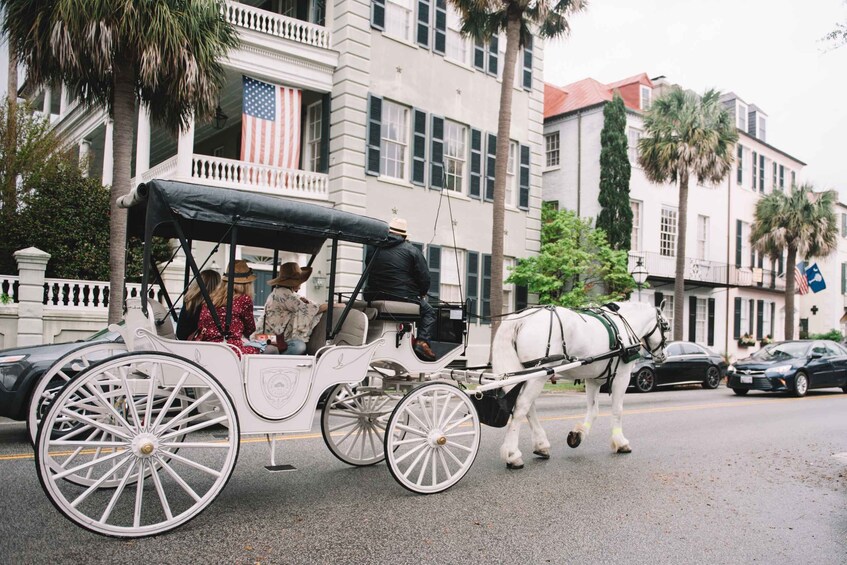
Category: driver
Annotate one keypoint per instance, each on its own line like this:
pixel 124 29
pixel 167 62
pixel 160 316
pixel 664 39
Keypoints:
pixel 400 273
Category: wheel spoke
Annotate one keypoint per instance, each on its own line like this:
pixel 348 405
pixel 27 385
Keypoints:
pixel 139 495
pixel 133 409
pixel 108 474
pixel 416 460
pixel 344 425
pixel 444 421
pixel 194 464
pixel 99 394
pixel 418 420
pixel 457 423
pixel 117 494
pixel 196 445
pixel 179 480
pixel 99 425
pixel 171 397
pixel 163 499
pixel 195 427
pixel 450 453
pixel 187 410
pixel 400 459
pixel 91 463
pixel 408 429
pixel 424 465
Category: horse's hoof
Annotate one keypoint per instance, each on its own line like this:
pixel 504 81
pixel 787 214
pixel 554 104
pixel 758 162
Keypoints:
pixel 624 449
pixel 574 439
pixel 514 466
pixel 542 453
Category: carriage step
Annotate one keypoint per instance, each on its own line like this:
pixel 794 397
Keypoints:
pixel 280 468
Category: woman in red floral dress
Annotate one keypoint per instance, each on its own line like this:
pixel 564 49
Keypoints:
pixel 242 323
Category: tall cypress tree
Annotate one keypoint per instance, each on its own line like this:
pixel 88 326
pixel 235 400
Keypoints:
pixel 616 214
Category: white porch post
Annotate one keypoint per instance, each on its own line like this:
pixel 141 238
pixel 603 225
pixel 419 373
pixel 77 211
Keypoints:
pixel 108 157
pixel 84 153
pixel 63 101
pixel 185 151
pixel 48 94
pixel 142 141
pixel 32 263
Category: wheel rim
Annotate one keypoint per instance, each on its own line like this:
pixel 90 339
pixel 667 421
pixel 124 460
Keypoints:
pixel 139 484
pixel 801 384
pixel 52 381
pixel 713 377
pixel 353 423
pixel 441 440
pixel 645 380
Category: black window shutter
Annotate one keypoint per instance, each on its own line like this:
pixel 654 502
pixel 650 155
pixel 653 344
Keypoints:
pixel 378 14
pixel 755 169
pixel 423 23
pixel 843 225
pixel 527 64
pixel 479 55
pixel 761 173
pixel 710 331
pixel 418 246
pixel 657 299
pixel 521 297
pixel 738 243
pixel 486 289
pixel 374 133
pixel 750 319
pixel 472 283
pixel 490 160
pixel 781 264
pixel 436 154
pixel 773 315
pixel 419 148
pixel 736 329
pixel 325 109
pixel 692 318
pixel 843 278
pixel 523 195
pixel 433 253
pixel 476 164
pixel 760 318
pixel 492 55
pixel 439 43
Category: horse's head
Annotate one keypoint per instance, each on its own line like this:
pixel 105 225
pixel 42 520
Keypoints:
pixel 656 338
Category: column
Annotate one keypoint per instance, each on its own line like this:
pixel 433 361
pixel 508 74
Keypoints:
pixel 108 157
pixel 185 151
pixel 142 142
pixel 63 100
pixel 32 263
pixel 48 94
pixel 84 154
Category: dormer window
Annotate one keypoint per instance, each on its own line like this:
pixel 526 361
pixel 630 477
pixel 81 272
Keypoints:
pixel 646 95
pixel 761 131
pixel 741 116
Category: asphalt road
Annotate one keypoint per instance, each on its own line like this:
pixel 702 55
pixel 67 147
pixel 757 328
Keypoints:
pixel 713 478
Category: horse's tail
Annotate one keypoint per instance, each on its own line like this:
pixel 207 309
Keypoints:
pixel 504 354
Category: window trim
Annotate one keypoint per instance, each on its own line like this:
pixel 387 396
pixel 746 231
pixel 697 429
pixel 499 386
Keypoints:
pixel 548 151
pixel 405 143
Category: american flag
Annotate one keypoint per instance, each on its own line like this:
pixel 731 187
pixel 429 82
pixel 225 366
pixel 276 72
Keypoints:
pixel 800 278
pixel 270 126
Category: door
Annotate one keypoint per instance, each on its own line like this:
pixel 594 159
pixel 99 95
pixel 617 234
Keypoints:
pixel 696 362
pixel 819 365
pixel 673 368
pixel 839 365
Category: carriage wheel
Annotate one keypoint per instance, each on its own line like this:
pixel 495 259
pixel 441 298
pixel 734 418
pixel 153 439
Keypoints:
pixel 441 441
pixel 58 374
pixel 353 423
pixel 133 413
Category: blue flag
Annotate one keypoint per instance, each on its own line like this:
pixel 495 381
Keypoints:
pixel 815 278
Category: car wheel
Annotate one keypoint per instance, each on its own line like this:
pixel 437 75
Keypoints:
pixel 801 385
pixel 740 391
pixel 713 377
pixel 645 380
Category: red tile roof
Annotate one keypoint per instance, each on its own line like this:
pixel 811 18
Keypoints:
pixel 589 92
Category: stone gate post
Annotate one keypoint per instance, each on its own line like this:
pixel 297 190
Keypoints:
pixel 32 263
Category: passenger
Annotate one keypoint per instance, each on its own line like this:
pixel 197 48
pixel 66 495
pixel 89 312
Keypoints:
pixel 288 314
pixel 191 305
pixel 400 273
pixel 242 323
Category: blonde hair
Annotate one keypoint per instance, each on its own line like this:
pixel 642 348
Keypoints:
pixel 193 297
pixel 219 295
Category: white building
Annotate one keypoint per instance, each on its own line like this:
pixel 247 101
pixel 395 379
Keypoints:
pixel 398 117
pixel 824 311
pixel 729 290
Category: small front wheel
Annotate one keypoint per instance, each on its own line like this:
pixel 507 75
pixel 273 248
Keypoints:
pixel 645 380
pixel 740 391
pixel 801 385
pixel 713 377
pixel 432 438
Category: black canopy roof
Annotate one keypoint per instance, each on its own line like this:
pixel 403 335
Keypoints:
pixel 206 213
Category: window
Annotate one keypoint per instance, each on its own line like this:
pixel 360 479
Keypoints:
pixel 702 237
pixel 793 179
pixel 398 18
pixel 501 61
pixel 551 144
pixel 741 116
pixel 746 250
pixel 635 240
pixel 646 95
pixel 667 235
pixel 701 318
pixel 767 323
pixel 781 177
pixel 452 272
pixel 314 129
pixel 458 47
pixel 632 137
pixel 755 170
pixel 744 325
pixel 774 184
pixel 511 177
pixel 667 312
pixel 455 155
pixel 761 173
pixel 739 171
pixel 508 289
pixel 395 140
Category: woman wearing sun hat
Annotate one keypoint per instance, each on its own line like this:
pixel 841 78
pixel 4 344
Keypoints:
pixel 242 323
pixel 288 313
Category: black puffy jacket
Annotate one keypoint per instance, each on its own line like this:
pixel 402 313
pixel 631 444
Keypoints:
pixel 398 272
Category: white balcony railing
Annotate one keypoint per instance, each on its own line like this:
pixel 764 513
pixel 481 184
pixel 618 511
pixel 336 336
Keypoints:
pixel 242 175
pixel 262 21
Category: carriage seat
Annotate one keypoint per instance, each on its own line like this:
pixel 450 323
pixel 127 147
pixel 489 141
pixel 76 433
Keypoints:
pixel 396 310
pixel 353 331
pixel 361 305
pixel 163 321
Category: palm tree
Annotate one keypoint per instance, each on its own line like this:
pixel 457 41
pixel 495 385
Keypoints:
pixel 482 19
pixel 800 223
pixel 165 55
pixel 685 136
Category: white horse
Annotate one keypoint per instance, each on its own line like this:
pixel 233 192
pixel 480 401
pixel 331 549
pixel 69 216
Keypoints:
pixel 543 336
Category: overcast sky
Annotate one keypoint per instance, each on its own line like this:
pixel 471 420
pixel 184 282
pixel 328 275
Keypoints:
pixel 766 51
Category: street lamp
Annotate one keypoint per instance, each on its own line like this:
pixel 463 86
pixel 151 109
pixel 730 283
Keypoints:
pixel 640 274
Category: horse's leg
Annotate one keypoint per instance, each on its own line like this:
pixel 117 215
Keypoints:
pixel 526 400
pixel 580 431
pixel 540 443
pixel 619 443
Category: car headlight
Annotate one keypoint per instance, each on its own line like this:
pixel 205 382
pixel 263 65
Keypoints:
pixel 10 368
pixel 781 370
pixel 730 369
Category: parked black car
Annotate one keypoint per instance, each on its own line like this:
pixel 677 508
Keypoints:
pixel 791 366
pixel 687 363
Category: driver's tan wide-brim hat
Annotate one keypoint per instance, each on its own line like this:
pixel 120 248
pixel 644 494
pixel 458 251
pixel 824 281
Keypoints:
pixel 291 274
pixel 398 226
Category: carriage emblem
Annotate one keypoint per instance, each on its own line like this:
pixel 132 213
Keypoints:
pixel 278 386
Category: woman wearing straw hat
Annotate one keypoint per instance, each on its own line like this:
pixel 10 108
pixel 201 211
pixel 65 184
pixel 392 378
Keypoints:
pixel 288 313
pixel 242 323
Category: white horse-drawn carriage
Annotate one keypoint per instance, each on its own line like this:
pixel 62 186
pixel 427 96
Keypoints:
pixel 146 434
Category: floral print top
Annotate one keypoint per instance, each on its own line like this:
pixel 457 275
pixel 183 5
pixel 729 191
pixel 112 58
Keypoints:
pixel 286 312
pixel 241 325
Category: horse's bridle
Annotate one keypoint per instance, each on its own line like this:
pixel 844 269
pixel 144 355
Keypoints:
pixel 663 327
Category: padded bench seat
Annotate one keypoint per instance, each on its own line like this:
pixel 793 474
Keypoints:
pixel 396 310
